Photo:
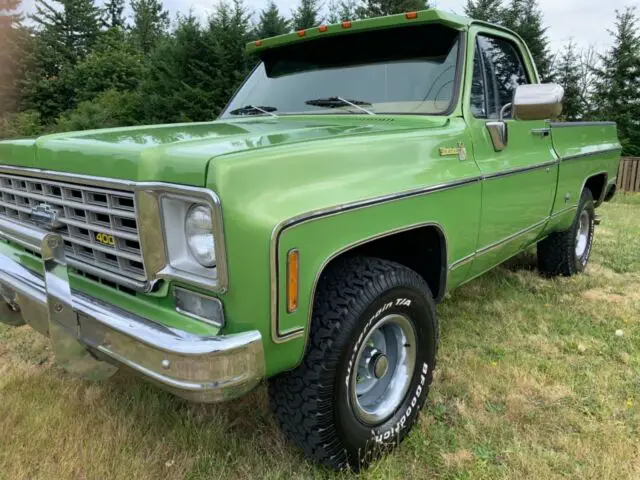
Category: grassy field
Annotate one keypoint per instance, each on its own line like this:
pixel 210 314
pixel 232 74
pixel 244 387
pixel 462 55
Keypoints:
pixel 533 382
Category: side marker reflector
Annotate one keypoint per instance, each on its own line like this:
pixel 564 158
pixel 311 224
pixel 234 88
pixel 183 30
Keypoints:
pixel 293 273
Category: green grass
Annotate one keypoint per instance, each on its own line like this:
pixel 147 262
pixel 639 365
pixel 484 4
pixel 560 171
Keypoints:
pixel 532 382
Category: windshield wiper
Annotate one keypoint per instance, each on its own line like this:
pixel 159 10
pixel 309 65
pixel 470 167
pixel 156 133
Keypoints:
pixel 253 109
pixel 334 102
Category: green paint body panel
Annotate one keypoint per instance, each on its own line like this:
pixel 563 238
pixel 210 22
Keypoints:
pixel 326 183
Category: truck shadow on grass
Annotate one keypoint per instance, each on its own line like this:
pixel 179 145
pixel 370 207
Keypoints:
pixel 523 261
pixel 128 427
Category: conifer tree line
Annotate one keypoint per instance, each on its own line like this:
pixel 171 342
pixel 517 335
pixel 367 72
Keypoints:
pixel 79 64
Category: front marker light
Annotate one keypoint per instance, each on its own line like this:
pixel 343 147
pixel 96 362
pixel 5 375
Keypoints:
pixel 293 275
pixel 198 227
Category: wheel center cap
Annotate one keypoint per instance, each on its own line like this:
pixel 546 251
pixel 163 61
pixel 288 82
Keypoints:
pixel 380 365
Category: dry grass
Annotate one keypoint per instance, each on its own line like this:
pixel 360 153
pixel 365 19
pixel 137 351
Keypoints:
pixel 532 383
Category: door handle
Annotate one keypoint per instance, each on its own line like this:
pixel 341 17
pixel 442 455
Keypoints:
pixel 541 132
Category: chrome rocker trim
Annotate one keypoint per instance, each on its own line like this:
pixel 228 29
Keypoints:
pixel 90 337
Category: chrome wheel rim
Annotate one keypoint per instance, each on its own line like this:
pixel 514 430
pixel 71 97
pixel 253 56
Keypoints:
pixel 582 235
pixel 383 369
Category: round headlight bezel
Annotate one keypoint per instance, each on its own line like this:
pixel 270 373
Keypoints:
pixel 202 233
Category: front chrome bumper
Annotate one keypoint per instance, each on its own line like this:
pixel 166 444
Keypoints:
pixel 91 338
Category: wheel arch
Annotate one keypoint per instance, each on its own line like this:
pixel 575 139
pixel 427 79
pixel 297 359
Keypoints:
pixel 430 263
pixel 597 184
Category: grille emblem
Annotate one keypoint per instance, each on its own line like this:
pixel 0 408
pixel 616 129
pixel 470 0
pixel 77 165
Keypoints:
pixel 46 216
pixel 106 239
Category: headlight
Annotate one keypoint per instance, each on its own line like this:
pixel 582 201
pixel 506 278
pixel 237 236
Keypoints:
pixel 182 236
pixel 198 227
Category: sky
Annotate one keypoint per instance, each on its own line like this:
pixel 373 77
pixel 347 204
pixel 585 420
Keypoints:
pixel 584 21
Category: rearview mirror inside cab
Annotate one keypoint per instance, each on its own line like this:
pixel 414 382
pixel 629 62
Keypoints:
pixel 538 101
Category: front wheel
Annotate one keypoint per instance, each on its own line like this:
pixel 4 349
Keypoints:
pixel 368 366
pixel 567 253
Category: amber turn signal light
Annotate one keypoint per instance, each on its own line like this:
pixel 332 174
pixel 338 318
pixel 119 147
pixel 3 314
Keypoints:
pixel 293 274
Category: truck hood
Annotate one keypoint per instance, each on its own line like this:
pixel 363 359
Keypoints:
pixel 180 153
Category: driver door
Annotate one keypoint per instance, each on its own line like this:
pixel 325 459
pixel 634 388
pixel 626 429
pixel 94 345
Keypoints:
pixel 518 174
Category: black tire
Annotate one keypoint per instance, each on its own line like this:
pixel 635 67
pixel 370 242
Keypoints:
pixel 557 253
pixel 312 403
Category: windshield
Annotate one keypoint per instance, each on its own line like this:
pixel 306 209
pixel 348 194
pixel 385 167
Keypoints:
pixel 407 70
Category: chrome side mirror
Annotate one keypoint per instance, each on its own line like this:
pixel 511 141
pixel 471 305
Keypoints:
pixel 539 101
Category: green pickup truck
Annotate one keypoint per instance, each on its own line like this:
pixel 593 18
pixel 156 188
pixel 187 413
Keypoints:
pixel 363 170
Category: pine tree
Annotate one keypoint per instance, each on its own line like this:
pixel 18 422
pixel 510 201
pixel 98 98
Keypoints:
pixel 114 13
pixel 487 10
pixel 525 18
pixel 617 88
pixel 197 69
pixel 378 8
pixel 181 82
pixel 339 11
pixel 150 23
pixel 588 63
pixel 230 28
pixel 307 15
pixel 67 30
pixel 568 76
pixel 12 43
pixel 271 23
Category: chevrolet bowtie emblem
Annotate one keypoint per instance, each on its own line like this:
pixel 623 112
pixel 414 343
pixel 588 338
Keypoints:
pixel 46 216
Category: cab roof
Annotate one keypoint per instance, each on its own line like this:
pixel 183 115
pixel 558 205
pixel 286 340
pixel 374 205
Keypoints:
pixel 451 20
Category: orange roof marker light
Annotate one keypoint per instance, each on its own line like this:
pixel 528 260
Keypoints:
pixel 301 33
pixel 323 28
pixel 411 15
pixel 258 43
pixel 346 24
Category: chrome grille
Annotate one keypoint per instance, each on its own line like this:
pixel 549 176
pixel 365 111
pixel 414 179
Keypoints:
pixel 86 214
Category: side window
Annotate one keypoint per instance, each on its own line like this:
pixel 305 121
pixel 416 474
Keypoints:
pixel 504 71
pixel 478 100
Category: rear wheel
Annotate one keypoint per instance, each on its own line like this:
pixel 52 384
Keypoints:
pixel 567 253
pixel 368 366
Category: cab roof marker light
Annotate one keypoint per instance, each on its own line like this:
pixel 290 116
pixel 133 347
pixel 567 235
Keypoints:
pixel 346 24
pixel 323 28
pixel 301 33
pixel 411 15
pixel 258 43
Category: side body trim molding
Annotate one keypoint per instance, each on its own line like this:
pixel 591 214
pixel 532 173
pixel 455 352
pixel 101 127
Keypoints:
pixel 591 154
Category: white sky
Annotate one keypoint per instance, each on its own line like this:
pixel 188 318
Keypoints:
pixel 586 21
